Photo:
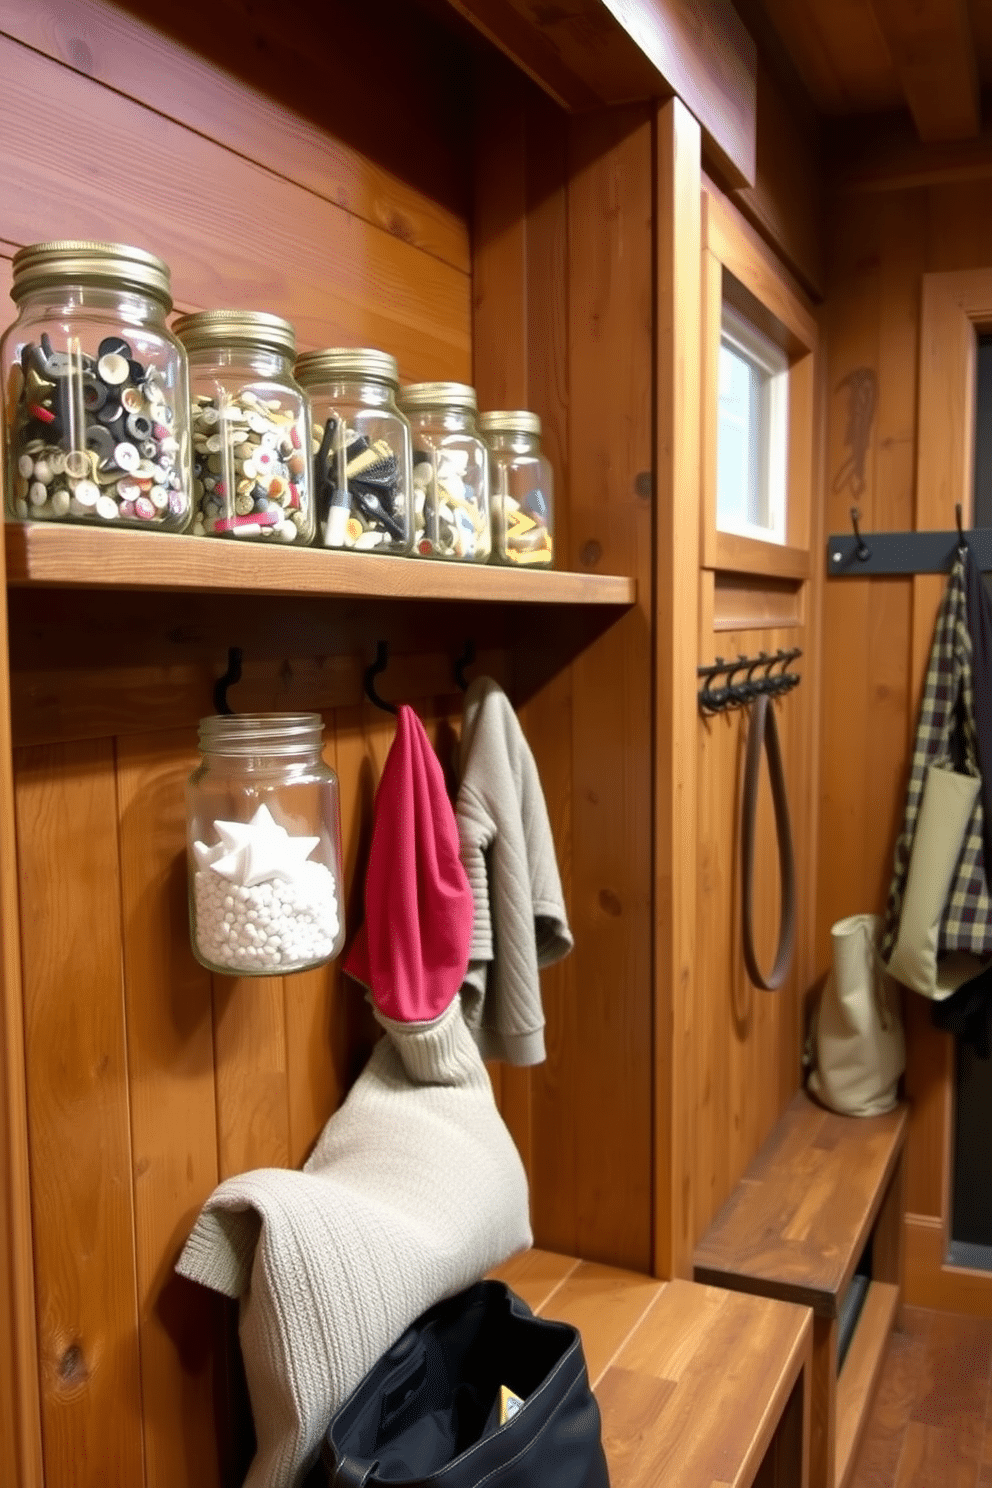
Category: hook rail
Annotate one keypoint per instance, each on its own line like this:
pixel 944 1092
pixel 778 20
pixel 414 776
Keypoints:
pixel 738 694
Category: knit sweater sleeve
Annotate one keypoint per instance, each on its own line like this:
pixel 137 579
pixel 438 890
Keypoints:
pixel 476 830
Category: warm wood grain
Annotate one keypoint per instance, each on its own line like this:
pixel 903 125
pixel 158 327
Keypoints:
pixel 84 557
pixel 860 1375
pixel 696 1394
pixel 536 1275
pixel 796 1225
pixel 592 1098
pixel 171 1080
pixel 931 1282
pixel 126 53
pixel 20 1434
pixel 931 46
pixel 750 602
pixel 607 1306
pixel 786 202
pixel 840 52
pixel 338 279
pixel 622 51
pixel 677 588
pixel 78 1115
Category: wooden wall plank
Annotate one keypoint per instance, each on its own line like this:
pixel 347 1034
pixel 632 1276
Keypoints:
pixel 78 1115
pixel 128 54
pixel 335 277
pixel 592 1142
pixel 678 413
pixel 173 1126
pixel 20 1433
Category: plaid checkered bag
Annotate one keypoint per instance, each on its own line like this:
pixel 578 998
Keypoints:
pixel 946 736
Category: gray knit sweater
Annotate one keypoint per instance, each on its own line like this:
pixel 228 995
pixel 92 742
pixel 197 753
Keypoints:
pixel 509 856
pixel 413 1192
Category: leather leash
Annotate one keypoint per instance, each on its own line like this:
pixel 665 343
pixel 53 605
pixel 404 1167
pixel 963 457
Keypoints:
pixel 764 731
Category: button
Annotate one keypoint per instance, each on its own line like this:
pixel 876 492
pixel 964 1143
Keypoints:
pixel 94 394
pixel 77 464
pixel 114 368
pixel 86 493
pixel 106 508
pixel 114 346
pixel 126 457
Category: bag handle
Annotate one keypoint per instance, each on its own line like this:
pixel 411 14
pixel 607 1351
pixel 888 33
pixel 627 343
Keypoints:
pixel 764 731
pixel 352 1474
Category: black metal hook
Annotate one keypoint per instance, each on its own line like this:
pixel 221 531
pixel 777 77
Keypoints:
pixel 962 540
pixel 232 675
pixel 466 659
pixel 376 669
pixel 862 552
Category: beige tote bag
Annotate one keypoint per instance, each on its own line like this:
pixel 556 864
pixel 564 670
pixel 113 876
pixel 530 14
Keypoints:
pixel 945 811
pixel 860 1049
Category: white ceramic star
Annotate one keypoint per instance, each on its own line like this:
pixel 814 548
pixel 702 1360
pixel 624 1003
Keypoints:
pixel 260 850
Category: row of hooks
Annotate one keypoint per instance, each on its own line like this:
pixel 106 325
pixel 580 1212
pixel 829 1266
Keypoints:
pixel 235 656
pixel 863 552
pixel 738 694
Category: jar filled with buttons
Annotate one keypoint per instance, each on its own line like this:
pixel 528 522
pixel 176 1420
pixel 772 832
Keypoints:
pixel 96 411
pixel 521 489
pixel 450 472
pixel 361 451
pixel 264 846
pixel 250 428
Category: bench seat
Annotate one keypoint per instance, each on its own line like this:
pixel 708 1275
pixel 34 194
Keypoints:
pixel 795 1228
pixel 697 1386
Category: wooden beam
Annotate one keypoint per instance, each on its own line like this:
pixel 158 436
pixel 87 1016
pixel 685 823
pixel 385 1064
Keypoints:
pixel 934 56
pixel 595 52
pixel 677 584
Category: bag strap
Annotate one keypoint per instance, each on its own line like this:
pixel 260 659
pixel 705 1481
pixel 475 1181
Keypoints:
pixel 764 731
pixel 352 1474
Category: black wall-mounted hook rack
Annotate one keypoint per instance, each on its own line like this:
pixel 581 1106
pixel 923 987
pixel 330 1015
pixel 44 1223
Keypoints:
pixel 738 694
pixel 856 555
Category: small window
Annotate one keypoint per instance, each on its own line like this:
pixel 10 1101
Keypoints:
pixel 752 431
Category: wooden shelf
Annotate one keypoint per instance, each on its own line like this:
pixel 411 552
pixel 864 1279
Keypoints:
pixel 66 557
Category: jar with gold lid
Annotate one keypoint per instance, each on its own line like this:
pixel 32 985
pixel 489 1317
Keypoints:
pixel 450 472
pixel 521 489
pixel 361 450
pixel 96 401
pixel 250 428
pixel 264 846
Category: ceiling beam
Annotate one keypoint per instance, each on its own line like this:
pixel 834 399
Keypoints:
pixel 932 50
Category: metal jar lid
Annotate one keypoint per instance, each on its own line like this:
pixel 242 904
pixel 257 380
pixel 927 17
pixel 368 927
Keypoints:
pixel 348 364
pixel 209 329
pixel 104 265
pixel 420 395
pixel 517 421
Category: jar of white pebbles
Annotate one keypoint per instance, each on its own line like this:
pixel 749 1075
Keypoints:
pixel 264 846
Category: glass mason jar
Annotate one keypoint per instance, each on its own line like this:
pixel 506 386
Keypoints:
pixel 264 846
pixel 450 472
pixel 361 450
pixel 97 397
pixel 521 487
pixel 250 428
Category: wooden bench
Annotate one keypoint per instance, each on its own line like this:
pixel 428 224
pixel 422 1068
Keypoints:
pixel 697 1386
pixel 795 1228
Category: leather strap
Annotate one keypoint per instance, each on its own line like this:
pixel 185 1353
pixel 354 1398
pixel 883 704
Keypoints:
pixel 764 731
pixel 352 1474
